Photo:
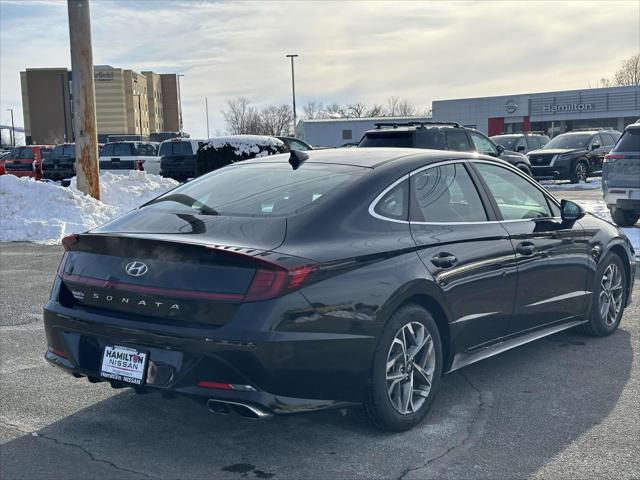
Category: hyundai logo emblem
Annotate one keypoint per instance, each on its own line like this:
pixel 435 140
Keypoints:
pixel 136 269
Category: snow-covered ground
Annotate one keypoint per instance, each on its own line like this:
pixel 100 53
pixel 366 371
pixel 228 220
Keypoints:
pixel 592 184
pixel 45 212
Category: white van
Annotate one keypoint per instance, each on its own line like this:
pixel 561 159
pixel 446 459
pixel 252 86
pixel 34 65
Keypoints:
pixel 120 157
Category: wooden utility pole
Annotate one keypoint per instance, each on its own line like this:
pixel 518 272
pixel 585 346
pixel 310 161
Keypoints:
pixel 84 98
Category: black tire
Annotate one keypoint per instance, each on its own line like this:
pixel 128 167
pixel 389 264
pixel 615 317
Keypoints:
pixel 600 325
pixel 378 406
pixel 524 168
pixel 579 172
pixel 624 218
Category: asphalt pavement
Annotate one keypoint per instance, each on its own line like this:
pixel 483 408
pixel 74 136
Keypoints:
pixel 562 407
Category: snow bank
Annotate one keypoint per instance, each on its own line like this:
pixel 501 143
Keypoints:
pixel 247 145
pixel 592 184
pixel 45 212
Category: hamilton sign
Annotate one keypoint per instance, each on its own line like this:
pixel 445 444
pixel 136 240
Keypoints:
pixel 567 107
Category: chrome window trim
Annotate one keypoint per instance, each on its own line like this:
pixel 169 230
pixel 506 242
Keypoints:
pixel 506 166
pixel 407 176
pixel 374 203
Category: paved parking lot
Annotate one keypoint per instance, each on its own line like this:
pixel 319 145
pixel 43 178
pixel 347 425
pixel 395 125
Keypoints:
pixel 563 407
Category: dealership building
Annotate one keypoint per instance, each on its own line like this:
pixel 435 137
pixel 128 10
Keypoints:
pixel 550 112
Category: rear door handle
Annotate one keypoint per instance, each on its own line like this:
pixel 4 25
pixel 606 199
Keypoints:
pixel 444 260
pixel 526 248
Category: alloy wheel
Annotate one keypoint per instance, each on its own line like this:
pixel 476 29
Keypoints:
pixel 581 172
pixel 611 294
pixel 411 363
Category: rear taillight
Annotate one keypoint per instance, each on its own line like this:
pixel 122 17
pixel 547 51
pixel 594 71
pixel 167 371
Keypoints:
pixel 139 165
pixel 613 156
pixel 275 280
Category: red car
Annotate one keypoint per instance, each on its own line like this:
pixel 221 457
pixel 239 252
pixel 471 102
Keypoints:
pixel 27 161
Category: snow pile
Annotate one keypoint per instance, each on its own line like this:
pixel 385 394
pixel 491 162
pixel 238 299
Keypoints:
pixel 127 192
pixel 45 212
pixel 592 184
pixel 247 145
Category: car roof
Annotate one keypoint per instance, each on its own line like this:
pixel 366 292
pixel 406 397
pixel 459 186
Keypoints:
pixel 413 128
pixel 369 157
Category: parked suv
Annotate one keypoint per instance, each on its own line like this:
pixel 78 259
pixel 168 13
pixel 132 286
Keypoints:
pixel 621 178
pixel 573 155
pixel 60 165
pixel 521 142
pixel 27 161
pixel 219 152
pixel 178 158
pixel 440 136
pixel 120 157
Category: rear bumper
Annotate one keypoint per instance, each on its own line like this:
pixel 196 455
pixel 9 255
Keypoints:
pixel 556 172
pixel 286 371
pixel 58 174
pixel 624 198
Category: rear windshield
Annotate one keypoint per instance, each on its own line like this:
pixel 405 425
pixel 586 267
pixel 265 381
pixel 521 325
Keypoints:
pixel 387 139
pixel 176 148
pixel 260 190
pixel 629 141
pixel 569 141
pixel 64 151
pixel 117 150
pixel 24 153
pixel 509 143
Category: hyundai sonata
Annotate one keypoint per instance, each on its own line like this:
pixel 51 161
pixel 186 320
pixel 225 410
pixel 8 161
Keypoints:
pixel 332 279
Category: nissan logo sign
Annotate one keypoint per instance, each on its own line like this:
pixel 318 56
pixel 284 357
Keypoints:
pixel 511 106
pixel 136 269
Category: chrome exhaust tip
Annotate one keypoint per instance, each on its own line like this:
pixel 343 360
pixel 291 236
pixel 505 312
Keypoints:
pixel 243 409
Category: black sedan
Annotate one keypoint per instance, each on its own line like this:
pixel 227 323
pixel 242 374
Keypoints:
pixel 332 278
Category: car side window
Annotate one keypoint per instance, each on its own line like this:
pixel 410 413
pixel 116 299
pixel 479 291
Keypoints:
pixel 516 197
pixel 458 141
pixel 483 144
pixel 295 145
pixel 521 145
pixel 607 139
pixel 534 143
pixel 595 140
pixel 445 194
pixel 395 203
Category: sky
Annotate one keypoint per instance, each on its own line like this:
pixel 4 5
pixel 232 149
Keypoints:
pixel 348 51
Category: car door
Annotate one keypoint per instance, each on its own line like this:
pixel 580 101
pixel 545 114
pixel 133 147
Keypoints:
pixel 552 257
pixel 466 251
pixel 595 153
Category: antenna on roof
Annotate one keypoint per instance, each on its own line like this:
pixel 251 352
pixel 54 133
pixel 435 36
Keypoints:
pixel 297 158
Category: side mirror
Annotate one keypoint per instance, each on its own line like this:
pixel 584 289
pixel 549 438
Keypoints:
pixel 595 146
pixel 520 148
pixel 570 211
pixel 500 149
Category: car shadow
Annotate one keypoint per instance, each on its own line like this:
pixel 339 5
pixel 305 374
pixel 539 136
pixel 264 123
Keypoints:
pixel 536 399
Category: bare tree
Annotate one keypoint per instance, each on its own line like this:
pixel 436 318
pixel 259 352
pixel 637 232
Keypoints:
pixel 313 110
pixel 335 110
pixel 629 72
pixel 356 110
pixel 392 106
pixel 376 110
pixel 241 117
pixel 275 120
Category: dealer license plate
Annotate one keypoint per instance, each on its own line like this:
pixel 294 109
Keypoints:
pixel 124 364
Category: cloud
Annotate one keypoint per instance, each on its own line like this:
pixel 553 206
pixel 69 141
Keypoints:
pixel 349 51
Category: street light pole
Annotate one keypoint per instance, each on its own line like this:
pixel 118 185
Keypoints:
pixel 13 129
pixel 293 89
pixel 206 107
pixel 180 101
